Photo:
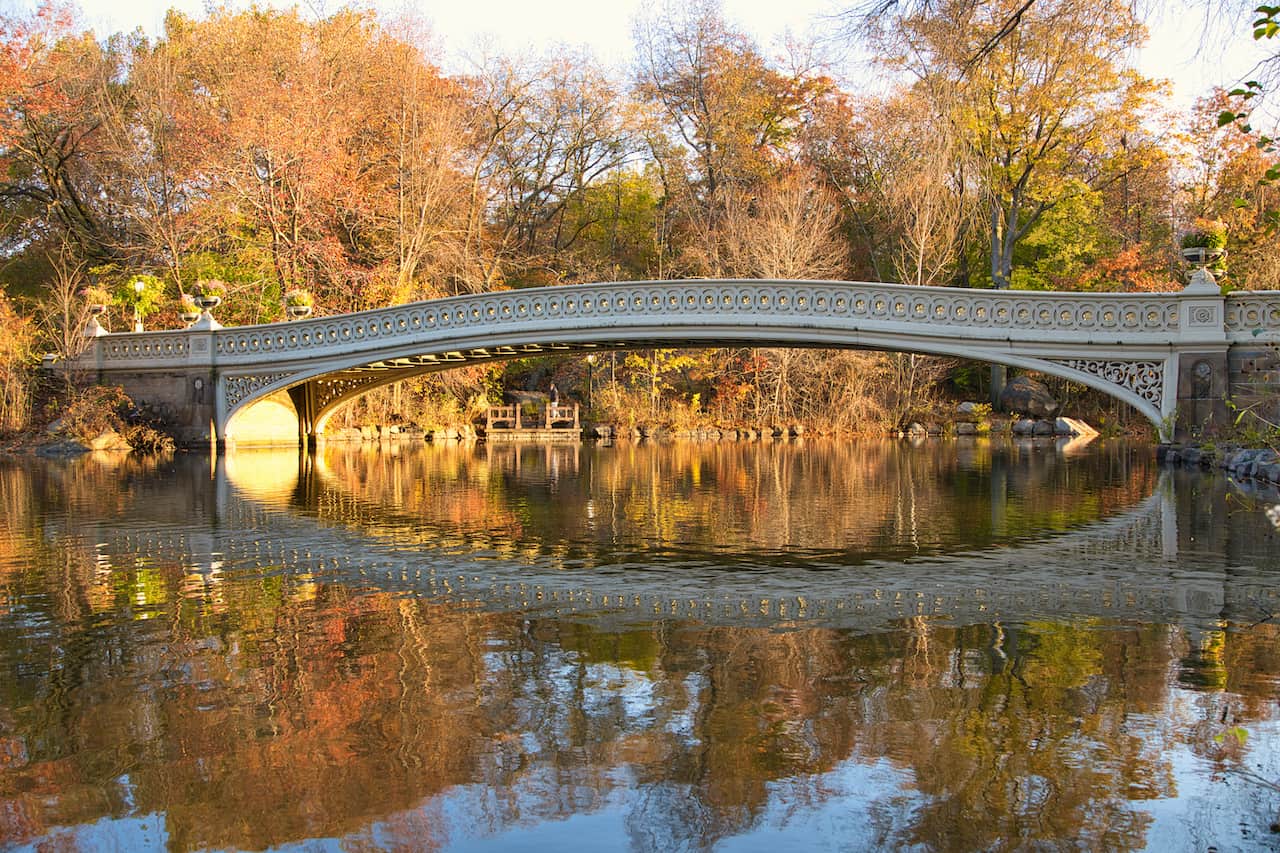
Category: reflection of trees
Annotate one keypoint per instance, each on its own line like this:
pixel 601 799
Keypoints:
pixel 874 499
pixel 271 706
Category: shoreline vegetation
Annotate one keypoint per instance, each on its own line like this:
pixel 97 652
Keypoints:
pixel 271 164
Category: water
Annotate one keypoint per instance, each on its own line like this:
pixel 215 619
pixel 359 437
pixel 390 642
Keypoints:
pixel 731 647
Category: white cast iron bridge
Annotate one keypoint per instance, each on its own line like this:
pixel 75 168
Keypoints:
pixel 1162 353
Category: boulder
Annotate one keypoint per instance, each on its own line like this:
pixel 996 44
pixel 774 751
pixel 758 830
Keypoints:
pixel 968 407
pixel 1073 426
pixel 916 430
pixel 60 449
pixel 109 440
pixel 966 429
pixel 1026 395
pixel 1043 428
pixel 797 429
pixel 1024 426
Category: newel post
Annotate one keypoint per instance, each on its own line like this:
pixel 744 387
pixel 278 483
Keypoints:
pixel 1200 358
pixel 206 398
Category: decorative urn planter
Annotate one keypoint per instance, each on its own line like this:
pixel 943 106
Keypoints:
pixel 1202 255
pixel 298 303
pixel 208 296
pixel 188 310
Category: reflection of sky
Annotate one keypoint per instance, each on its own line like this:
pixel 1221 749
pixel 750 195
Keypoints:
pixel 856 806
pixel 136 834
pixel 843 810
pixel 1221 810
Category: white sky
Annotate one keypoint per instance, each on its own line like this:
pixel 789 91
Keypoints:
pixel 605 26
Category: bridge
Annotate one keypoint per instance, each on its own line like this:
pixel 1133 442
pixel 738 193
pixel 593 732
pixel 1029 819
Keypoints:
pixel 1171 356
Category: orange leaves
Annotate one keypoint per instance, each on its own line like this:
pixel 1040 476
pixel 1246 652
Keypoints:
pixel 1135 269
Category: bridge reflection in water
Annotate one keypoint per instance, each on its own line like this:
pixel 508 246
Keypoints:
pixel 456 524
pixel 649 647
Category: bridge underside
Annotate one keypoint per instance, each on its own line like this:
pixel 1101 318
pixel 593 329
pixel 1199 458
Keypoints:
pixel 317 398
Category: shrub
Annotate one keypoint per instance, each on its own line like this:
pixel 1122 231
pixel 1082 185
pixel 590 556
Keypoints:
pixel 210 287
pixel 91 411
pixel 96 295
pixel 299 298
pixel 1207 234
pixel 17 365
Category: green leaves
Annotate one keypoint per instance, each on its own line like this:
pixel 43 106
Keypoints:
pixel 1266 26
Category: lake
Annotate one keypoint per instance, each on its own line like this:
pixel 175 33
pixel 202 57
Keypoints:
pixel 787 645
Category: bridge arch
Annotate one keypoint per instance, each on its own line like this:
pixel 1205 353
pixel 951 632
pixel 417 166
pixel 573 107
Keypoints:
pixel 1135 385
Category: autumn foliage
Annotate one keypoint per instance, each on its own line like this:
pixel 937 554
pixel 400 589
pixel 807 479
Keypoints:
pixel 278 151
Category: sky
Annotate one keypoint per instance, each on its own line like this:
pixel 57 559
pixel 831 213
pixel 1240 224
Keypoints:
pixel 1175 52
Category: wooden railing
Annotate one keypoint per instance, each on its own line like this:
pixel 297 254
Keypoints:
pixel 557 413
pixel 553 416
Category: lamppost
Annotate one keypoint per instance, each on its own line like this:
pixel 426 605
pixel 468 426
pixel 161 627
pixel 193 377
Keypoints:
pixel 591 364
pixel 138 287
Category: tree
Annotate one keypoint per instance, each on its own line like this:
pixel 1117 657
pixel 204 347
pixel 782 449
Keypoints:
pixel 1036 107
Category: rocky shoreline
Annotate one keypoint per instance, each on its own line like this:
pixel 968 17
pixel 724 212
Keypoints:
pixel 1258 464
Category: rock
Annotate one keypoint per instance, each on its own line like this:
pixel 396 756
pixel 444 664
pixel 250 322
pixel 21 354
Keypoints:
pixel 797 429
pixel 343 434
pixel 999 426
pixel 1024 426
pixel 61 449
pixel 109 440
pixel 1270 472
pixel 1042 428
pixel 1029 397
pixel 54 428
pixel 966 429
pixel 968 407
pixel 916 429
pixel 1078 427
pixel 1191 456
pixel 367 433
pixel 1173 457
pixel 933 429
